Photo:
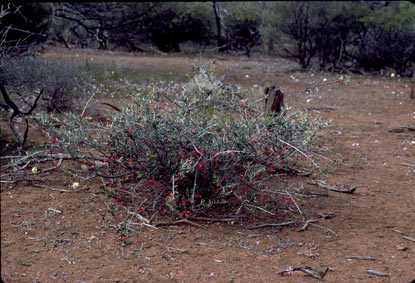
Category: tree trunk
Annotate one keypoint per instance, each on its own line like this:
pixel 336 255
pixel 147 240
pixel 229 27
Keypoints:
pixel 221 42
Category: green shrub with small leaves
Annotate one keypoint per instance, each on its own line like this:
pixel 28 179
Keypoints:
pixel 189 148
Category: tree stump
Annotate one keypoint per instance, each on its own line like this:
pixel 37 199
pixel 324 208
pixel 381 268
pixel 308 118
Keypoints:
pixel 274 100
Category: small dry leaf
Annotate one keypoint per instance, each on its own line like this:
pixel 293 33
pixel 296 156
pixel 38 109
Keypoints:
pixel 401 247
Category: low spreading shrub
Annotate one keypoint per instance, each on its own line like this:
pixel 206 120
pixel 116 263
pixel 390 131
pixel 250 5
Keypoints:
pixel 189 148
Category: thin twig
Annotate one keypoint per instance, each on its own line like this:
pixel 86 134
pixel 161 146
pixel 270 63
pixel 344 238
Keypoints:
pixel 312 271
pixel 408 238
pixel 305 155
pixel 360 257
pixel 296 205
pixel 308 222
pixel 137 215
pixel 58 190
pixel 327 229
pixel 184 220
pixel 272 225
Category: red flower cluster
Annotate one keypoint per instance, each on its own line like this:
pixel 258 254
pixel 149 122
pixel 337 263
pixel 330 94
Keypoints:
pixel 287 200
pixel 185 213
pixel 53 140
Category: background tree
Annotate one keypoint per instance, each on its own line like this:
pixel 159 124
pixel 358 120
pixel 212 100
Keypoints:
pixel 23 26
pixel 297 38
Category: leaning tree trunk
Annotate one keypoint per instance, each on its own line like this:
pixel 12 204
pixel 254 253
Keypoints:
pixel 221 42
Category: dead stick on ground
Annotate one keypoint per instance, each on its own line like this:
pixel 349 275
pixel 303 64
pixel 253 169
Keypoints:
pixel 272 225
pixel 378 273
pixel 324 228
pixel 404 236
pixel 298 208
pixel 213 219
pixel 314 272
pixel 184 220
pixel 360 257
pixel 324 185
pixel 305 226
pixel 59 190
pixel 408 238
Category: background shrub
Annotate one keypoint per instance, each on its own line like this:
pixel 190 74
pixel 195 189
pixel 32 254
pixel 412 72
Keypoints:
pixel 61 81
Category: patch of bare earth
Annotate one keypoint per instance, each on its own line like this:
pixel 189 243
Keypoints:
pixel 53 236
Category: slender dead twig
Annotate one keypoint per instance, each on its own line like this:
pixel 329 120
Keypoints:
pixel 377 273
pixel 295 203
pixel 272 225
pixel 312 271
pixel 324 185
pixel 213 219
pixel 327 229
pixel 306 224
pixel 404 236
pixel 184 220
pixel 59 190
pixel 137 215
pixel 360 257
pixel 302 153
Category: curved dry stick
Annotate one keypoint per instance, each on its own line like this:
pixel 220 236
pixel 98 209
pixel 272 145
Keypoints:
pixel 16 111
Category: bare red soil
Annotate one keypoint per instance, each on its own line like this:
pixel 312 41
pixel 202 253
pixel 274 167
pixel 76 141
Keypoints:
pixel 52 236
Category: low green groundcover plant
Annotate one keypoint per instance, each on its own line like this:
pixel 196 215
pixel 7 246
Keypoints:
pixel 189 148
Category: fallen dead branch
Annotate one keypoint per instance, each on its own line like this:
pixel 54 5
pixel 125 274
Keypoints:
pixel 311 222
pixel 404 236
pixel 272 225
pixel 214 219
pixel 377 273
pixel 401 128
pixel 59 190
pixel 324 109
pixel 340 189
pixel 310 255
pixel 306 224
pixel 184 220
pixel 360 257
pixel 312 271
pixel 325 228
pixel 408 238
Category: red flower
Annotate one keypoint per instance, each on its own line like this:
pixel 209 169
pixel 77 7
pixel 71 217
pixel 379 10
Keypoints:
pixel 198 196
pixel 118 200
pixel 198 152
pixel 213 153
pixel 53 140
pixel 162 100
pixel 185 213
pixel 148 182
pixel 139 208
pixel 130 129
pixel 84 114
pixel 184 201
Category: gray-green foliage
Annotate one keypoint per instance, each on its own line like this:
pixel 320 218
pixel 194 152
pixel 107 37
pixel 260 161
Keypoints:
pixel 195 145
